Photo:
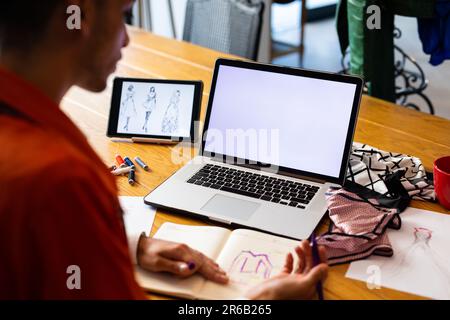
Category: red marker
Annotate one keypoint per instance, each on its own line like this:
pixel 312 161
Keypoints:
pixel 120 161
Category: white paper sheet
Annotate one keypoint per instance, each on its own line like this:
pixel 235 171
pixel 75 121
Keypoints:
pixel 421 261
pixel 138 216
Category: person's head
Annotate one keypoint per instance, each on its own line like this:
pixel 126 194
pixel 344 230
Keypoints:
pixel 152 89
pixel 30 28
pixel 131 88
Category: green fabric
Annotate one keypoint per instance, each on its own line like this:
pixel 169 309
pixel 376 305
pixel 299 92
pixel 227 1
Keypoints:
pixel 356 26
pixel 372 51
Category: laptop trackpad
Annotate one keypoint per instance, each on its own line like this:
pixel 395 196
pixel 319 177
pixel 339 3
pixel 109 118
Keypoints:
pixel 231 207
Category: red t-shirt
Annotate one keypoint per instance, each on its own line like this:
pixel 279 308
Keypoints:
pixel 58 206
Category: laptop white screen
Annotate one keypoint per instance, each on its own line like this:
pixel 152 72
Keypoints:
pixel 288 121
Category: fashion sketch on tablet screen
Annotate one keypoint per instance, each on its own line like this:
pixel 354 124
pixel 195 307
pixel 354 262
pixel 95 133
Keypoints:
pixel 129 107
pixel 157 109
pixel 149 105
pixel 170 120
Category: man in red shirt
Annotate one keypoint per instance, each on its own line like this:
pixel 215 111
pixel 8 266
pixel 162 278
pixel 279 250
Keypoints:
pixel 58 202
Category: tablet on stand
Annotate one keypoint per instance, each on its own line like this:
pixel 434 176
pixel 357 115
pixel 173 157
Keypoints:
pixel 155 111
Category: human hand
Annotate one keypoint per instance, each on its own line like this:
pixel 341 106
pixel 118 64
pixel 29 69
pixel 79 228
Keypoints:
pixel 294 283
pixel 163 256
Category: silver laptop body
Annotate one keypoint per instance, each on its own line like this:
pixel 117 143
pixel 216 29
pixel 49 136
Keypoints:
pixel 275 140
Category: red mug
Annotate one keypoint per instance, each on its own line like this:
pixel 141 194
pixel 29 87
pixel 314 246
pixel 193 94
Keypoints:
pixel 442 181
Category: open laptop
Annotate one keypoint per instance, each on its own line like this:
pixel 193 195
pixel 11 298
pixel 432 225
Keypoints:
pixel 275 139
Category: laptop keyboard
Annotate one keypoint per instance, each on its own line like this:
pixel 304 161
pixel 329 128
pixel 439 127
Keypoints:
pixel 255 185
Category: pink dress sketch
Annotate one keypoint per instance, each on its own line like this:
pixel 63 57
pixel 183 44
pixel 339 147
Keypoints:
pixel 170 120
pixel 257 265
pixel 424 260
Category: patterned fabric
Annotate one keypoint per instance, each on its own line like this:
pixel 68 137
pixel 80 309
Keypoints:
pixel 357 228
pixel 380 186
pixel 380 170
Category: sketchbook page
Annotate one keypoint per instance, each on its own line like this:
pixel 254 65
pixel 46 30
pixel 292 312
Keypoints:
pixel 138 217
pixel 249 258
pixel 421 261
pixel 208 240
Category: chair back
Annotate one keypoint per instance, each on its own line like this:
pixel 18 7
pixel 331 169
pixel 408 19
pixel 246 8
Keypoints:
pixel 231 26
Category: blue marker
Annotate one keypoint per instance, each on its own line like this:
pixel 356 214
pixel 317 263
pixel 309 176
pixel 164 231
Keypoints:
pixel 132 177
pixel 129 162
pixel 141 163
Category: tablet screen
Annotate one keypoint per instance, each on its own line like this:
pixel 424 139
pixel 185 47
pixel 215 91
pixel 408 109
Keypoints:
pixel 153 108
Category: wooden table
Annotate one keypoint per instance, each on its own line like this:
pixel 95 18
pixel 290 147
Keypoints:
pixel 380 124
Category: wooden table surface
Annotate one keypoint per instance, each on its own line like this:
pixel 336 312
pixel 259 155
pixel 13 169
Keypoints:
pixel 380 124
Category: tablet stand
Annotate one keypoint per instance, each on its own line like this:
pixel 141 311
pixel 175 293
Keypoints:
pixel 152 140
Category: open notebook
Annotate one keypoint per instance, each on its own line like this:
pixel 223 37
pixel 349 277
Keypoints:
pixel 249 257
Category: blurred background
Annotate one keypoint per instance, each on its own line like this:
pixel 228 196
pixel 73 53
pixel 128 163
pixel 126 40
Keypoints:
pixel 304 34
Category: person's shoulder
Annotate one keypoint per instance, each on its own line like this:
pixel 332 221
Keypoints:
pixel 34 152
